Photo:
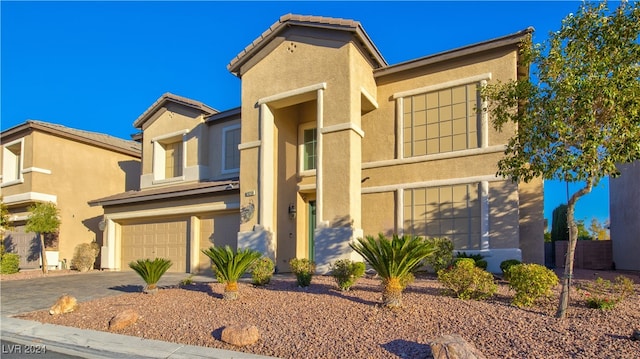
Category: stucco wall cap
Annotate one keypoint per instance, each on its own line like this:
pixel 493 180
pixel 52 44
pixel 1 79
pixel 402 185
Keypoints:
pixel 169 97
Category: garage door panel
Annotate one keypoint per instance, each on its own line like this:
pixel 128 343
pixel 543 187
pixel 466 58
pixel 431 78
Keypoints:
pixel 167 239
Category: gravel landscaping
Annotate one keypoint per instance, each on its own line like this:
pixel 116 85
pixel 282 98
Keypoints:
pixel 322 322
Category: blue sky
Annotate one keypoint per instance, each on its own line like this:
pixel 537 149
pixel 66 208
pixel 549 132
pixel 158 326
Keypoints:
pixel 98 65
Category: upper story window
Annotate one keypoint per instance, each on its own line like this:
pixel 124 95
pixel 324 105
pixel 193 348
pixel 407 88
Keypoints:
pixel 172 159
pixel 169 156
pixel 441 121
pixel 12 158
pixel 307 148
pixel 230 152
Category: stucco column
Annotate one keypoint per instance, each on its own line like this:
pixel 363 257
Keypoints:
pixel 112 251
pixel 319 173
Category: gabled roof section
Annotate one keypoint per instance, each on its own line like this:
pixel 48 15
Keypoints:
pixel 164 193
pixel 169 97
pixel 101 140
pixel 507 40
pixel 291 20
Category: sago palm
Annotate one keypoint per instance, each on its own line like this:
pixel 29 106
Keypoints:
pixel 151 271
pixel 394 260
pixel 230 266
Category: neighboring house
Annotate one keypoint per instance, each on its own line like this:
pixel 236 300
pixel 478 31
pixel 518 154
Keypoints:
pixel 335 144
pixel 624 207
pixel 46 162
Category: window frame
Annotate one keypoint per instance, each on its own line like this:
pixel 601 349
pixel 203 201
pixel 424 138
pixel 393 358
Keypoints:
pixel 223 164
pixel 301 149
pixel 159 156
pixel 13 163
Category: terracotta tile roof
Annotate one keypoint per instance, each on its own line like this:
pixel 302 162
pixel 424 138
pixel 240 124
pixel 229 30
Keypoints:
pixel 166 192
pixel 169 97
pixel 102 140
pixel 306 21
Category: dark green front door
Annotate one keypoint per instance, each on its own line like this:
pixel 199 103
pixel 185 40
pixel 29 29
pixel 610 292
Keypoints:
pixel 312 228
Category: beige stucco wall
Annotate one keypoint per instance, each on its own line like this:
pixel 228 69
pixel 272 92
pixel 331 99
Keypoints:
pixel 79 173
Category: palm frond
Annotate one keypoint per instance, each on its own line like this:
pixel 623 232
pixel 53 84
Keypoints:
pixel 151 271
pixel 231 266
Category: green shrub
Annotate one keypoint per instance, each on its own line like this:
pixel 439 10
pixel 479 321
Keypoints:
pixel 531 282
pixel 478 259
pixel 347 272
pixel 506 264
pixel 151 271
pixel 603 294
pixel 187 281
pixel 9 263
pixel 303 269
pixel 442 257
pixel 466 281
pixel 84 256
pixel 262 271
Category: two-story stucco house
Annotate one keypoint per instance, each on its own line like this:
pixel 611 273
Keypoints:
pixel 46 162
pixel 330 143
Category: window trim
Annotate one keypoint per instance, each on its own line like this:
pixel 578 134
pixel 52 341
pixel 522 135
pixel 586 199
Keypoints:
pixel 17 177
pixel 301 128
pixel 158 163
pixel 223 164
pixel 400 96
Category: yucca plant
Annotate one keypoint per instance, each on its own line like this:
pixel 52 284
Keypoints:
pixel 394 260
pixel 230 266
pixel 151 271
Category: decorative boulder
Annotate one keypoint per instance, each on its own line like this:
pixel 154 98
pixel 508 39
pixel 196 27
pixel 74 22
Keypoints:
pixel 240 335
pixel 636 334
pixel 64 304
pixel 454 347
pixel 123 319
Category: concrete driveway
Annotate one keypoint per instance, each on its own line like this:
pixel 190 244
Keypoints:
pixel 21 296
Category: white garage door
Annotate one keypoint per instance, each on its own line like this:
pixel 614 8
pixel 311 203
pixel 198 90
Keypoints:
pixel 160 239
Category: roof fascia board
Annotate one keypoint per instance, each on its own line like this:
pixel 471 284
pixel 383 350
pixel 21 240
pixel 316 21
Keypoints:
pixel 163 196
pixel 509 40
pixel 169 97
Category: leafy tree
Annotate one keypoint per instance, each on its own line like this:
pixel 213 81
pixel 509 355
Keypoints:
pixel 394 260
pixel 583 234
pixel 579 114
pixel 559 228
pixel 43 219
pixel 5 224
pixel 599 230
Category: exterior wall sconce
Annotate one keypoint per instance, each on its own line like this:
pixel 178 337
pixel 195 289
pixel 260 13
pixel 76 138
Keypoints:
pixel 292 211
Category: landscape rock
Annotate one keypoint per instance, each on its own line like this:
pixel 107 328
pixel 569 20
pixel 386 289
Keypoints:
pixel 636 334
pixel 454 347
pixel 123 319
pixel 240 335
pixel 64 304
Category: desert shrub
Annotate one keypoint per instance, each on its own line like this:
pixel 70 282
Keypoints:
pixel 531 282
pixel 151 271
pixel 262 271
pixel 478 259
pixel 505 265
pixel 603 294
pixel 187 281
pixel 346 272
pixel 303 269
pixel 9 263
pixel 466 281
pixel 84 256
pixel 442 256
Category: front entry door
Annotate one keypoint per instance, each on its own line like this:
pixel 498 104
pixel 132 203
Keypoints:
pixel 312 228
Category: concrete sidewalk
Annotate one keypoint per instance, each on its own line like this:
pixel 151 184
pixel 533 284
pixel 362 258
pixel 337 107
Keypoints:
pixel 22 296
